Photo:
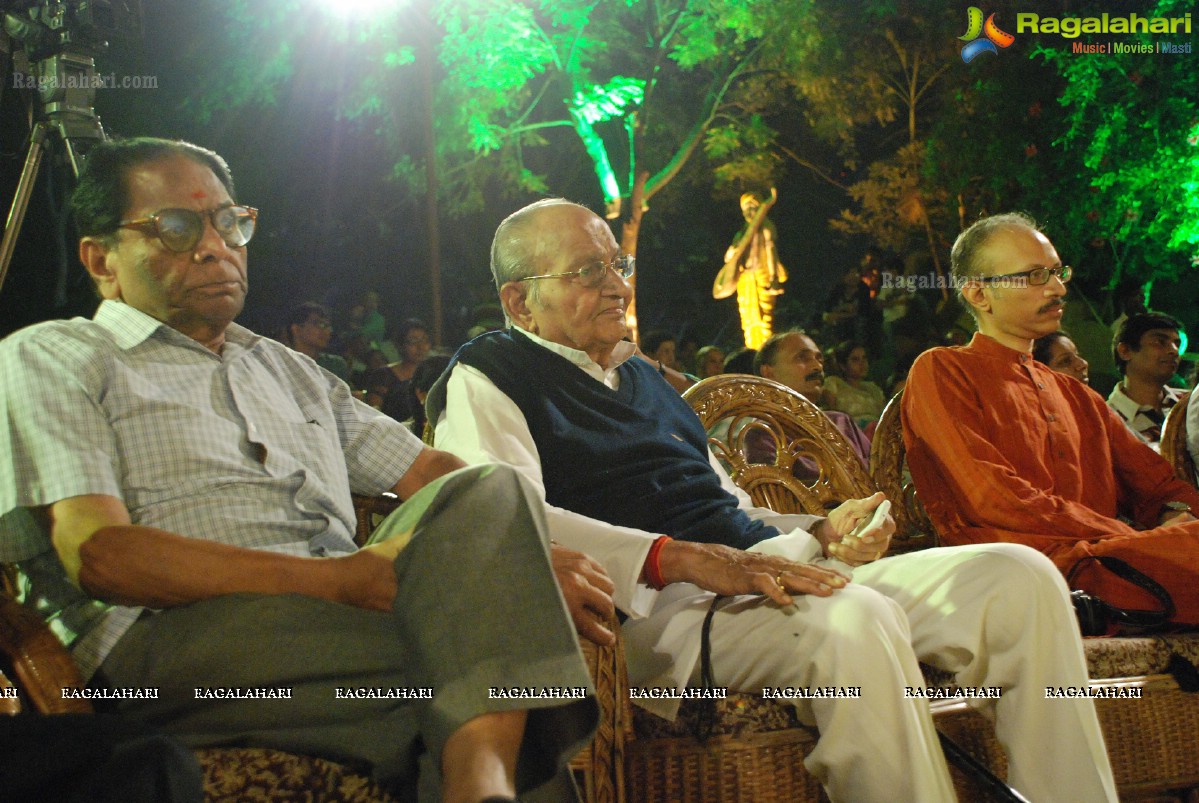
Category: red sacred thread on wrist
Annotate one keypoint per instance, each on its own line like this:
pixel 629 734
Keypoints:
pixel 653 569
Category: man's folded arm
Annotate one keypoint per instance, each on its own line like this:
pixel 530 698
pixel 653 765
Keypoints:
pixel 117 561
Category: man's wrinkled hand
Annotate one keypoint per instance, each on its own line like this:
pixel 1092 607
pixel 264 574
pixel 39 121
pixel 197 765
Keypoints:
pixel 587 590
pixel 865 547
pixel 725 570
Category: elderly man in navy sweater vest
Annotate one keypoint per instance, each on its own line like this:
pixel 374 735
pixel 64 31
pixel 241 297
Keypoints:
pixel 628 479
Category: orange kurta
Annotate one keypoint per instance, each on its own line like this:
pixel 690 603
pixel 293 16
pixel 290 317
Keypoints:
pixel 1001 448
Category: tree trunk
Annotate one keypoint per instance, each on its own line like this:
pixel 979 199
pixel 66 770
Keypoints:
pixel 629 229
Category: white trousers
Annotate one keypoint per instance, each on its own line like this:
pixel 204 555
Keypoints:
pixel 993 614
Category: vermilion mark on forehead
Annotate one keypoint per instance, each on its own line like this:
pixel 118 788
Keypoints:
pixel 199 194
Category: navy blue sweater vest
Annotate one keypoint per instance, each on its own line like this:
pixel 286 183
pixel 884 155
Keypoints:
pixel 636 456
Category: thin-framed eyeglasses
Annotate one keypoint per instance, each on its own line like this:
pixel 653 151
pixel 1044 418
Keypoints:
pixel 181 230
pixel 1035 277
pixel 593 275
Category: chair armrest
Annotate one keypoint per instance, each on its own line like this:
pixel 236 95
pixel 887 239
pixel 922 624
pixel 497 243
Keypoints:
pixel 41 664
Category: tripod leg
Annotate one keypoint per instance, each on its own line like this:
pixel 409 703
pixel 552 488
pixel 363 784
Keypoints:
pixel 20 201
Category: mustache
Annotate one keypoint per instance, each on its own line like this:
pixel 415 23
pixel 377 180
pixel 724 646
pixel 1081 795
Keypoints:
pixel 1052 305
pixel 814 375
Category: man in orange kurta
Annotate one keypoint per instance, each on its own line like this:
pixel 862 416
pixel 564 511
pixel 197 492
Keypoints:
pixel 1002 448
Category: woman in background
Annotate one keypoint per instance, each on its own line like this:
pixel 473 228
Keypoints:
pixel 1058 351
pixel 851 392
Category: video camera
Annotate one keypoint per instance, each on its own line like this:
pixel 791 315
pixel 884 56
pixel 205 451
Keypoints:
pixel 48 27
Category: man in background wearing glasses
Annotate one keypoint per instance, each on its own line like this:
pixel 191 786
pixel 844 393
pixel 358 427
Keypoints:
pixel 1002 448
pixel 628 478
pixel 178 489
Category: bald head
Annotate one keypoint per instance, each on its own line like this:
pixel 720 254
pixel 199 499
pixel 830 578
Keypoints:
pixel 968 259
pixel 521 239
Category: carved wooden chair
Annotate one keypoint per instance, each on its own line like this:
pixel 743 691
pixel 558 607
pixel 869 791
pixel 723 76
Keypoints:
pixel 1149 754
pixel 1174 441
pixel 888 467
pixel 33 657
pixel 741 411
pixel 757 746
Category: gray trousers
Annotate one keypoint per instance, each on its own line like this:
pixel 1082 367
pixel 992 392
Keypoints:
pixel 477 607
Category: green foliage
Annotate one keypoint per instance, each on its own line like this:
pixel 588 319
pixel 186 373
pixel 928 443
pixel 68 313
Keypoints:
pixel 743 154
pixel 1131 131
pixel 596 103
pixel 895 201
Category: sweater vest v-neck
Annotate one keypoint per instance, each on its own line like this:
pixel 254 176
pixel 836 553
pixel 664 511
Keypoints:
pixel 636 456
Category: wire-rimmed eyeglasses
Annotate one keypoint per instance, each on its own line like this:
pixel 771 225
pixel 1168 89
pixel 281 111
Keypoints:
pixel 593 275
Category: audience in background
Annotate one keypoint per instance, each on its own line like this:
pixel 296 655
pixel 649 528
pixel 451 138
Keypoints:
pixel 1058 351
pixel 709 361
pixel 412 339
pixel 427 373
pixel 1145 347
pixel 740 361
pixel 356 351
pixel 308 330
pixel 793 359
pixel 685 350
pixel 659 346
pixel 850 391
pixel 373 325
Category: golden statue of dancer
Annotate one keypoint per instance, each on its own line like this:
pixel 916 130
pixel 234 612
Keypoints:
pixel 752 270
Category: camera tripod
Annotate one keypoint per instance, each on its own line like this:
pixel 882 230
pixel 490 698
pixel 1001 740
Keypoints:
pixel 66 85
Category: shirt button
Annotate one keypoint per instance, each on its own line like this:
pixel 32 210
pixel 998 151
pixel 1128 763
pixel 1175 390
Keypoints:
pixel 1052 418
pixel 1040 386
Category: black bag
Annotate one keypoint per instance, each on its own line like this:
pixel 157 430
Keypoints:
pixel 1096 617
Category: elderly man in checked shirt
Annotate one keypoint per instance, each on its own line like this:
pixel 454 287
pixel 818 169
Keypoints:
pixel 178 491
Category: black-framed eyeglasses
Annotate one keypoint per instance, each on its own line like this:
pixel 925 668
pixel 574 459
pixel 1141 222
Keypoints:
pixel 181 229
pixel 593 275
pixel 1035 277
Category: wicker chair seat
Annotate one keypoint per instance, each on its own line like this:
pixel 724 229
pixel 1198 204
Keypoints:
pixel 1131 656
pixel 735 715
pixel 248 774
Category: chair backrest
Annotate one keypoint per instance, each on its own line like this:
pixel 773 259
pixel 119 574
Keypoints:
pixel 1174 441
pixel 888 467
pixel 797 428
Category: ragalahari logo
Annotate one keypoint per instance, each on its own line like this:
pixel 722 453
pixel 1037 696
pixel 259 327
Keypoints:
pixel 991 35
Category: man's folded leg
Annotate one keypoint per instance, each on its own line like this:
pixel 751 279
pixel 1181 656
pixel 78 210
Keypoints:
pixel 477 609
